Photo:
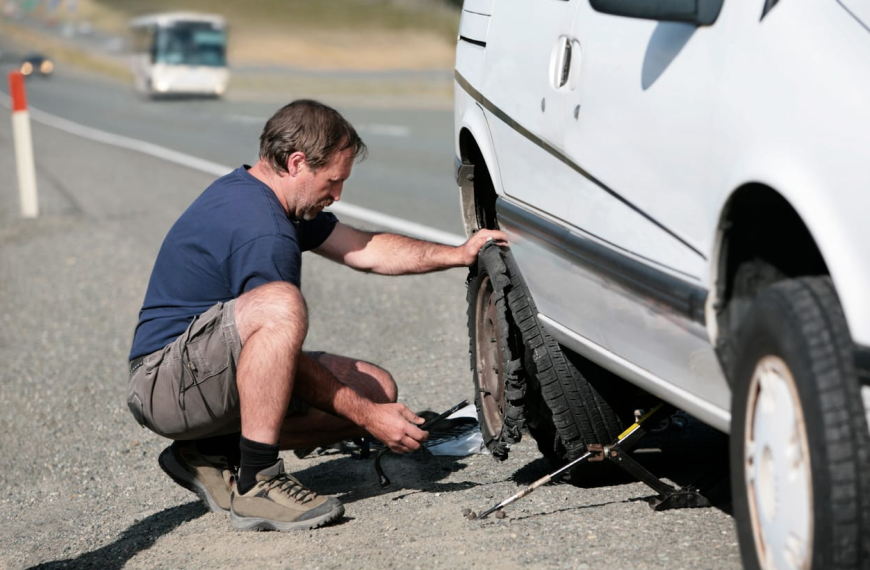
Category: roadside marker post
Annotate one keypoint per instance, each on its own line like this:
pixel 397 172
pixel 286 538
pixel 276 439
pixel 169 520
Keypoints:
pixel 23 147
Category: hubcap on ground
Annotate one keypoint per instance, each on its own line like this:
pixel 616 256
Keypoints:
pixel 777 468
pixel 489 358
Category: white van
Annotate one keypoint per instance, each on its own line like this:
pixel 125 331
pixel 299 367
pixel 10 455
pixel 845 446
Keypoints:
pixel 686 190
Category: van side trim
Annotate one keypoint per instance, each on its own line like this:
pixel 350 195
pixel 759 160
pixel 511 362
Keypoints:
pixel 685 299
pixel 489 106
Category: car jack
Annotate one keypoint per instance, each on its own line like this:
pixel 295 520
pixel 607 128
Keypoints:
pixel 669 497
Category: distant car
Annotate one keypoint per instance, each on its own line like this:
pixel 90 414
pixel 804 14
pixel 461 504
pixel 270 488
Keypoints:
pixel 36 64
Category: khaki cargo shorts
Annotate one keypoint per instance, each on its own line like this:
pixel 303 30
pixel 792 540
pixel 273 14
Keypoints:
pixel 187 390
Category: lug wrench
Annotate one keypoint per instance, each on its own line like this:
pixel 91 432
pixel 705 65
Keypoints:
pixel 597 451
pixel 382 477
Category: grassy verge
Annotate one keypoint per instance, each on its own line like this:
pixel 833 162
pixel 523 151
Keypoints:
pixel 429 16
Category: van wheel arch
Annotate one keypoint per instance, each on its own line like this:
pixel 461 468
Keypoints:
pixel 476 186
pixel 763 240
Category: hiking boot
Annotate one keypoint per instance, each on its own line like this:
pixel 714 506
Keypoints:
pixel 278 501
pixel 209 476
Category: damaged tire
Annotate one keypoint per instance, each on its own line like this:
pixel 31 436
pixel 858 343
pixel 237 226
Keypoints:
pixel 522 377
pixel 496 346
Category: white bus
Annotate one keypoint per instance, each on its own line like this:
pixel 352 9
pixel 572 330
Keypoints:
pixel 180 53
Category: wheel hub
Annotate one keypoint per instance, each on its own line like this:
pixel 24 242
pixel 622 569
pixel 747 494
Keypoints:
pixel 777 468
pixel 489 358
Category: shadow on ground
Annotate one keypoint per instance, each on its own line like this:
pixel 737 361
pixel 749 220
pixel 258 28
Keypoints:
pixel 352 479
pixel 140 536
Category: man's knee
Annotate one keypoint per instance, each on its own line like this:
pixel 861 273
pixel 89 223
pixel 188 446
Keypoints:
pixel 386 390
pixel 278 306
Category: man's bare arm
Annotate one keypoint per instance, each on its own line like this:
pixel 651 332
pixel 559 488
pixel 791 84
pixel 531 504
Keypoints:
pixel 392 424
pixel 394 254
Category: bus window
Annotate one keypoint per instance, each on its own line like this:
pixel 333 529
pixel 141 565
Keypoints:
pixel 191 45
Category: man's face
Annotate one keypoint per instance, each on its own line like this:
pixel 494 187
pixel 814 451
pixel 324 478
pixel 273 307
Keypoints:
pixel 320 188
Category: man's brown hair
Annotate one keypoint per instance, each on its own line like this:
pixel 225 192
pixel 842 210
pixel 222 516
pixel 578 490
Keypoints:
pixel 310 127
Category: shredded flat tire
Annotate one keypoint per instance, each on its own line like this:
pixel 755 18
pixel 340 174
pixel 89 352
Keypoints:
pixel 543 389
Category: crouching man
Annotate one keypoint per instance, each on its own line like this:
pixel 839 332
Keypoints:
pixel 217 363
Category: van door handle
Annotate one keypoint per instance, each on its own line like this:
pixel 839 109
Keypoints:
pixel 561 63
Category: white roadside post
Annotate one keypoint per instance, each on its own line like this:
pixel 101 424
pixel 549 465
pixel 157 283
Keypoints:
pixel 23 147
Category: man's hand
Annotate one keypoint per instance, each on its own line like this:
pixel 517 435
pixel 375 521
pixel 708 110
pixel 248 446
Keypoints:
pixel 394 425
pixel 471 247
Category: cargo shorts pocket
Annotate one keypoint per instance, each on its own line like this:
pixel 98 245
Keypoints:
pixel 140 389
pixel 206 384
pixel 206 350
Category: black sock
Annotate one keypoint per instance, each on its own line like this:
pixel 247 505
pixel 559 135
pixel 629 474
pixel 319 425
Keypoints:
pixel 256 456
pixel 226 445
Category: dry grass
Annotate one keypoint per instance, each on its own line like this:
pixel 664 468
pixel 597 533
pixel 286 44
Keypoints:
pixel 347 50
pixel 293 16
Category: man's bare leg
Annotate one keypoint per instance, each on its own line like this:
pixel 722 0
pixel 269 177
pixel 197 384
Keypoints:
pixel 317 428
pixel 272 321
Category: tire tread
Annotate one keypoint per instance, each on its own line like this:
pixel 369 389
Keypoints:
pixel 814 326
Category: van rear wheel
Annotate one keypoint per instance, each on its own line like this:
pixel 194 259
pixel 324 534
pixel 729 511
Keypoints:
pixel 800 447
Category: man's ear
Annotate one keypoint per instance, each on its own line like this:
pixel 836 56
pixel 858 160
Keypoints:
pixel 295 163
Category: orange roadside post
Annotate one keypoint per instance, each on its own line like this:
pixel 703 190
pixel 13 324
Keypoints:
pixel 23 147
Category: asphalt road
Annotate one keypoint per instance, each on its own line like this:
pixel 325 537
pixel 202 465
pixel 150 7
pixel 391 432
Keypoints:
pixel 81 485
pixel 408 174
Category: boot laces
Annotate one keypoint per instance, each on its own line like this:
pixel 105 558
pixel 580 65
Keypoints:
pixel 292 487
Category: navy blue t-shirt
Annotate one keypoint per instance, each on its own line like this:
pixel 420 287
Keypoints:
pixel 234 237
